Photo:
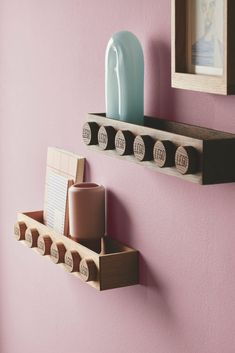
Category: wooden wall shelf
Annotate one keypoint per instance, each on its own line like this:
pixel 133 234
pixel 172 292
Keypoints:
pixel 192 153
pixel 115 266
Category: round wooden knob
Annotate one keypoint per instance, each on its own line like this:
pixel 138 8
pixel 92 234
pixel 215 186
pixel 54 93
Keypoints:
pixel 186 160
pixel 31 237
pixel 106 137
pixel 164 154
pixel 44 244
pixel 88 270
pixel 124 142
pixel 19 230
pixel 72 260
pixel 90 133
pixel 57 252
pixel 143 148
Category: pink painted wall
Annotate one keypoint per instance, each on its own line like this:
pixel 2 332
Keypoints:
pixel 51 75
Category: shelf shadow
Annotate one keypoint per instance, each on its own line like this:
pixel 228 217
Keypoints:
pixel 150 279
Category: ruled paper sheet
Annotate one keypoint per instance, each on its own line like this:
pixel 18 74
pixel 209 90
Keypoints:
pixel 57 192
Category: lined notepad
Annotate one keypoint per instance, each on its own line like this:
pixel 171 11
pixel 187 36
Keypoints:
pixel 65 164
pixel 57 203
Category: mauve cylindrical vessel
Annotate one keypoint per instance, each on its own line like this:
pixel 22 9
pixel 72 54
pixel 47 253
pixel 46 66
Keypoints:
pixel 86 211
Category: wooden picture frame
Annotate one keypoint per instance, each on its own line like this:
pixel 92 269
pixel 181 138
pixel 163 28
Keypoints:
pixel 206 79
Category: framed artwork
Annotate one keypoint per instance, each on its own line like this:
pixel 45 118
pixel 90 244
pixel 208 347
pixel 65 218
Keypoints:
pixel 206 36
pixel 203 47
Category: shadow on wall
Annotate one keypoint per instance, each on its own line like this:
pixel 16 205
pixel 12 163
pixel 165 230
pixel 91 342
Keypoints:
pixel 160 97
pixel 119 224
pixel 118 220
pixel 87 172
pixel 149 278
pixel 160 103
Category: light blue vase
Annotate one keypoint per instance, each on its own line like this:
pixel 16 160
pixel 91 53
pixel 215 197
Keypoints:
pixel 124 78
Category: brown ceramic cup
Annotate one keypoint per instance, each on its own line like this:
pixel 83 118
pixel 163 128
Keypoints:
pixel 86 211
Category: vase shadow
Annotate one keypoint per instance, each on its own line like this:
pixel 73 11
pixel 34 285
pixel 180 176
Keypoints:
pixel 161 96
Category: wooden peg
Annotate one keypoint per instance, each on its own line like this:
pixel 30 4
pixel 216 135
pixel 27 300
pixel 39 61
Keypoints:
pixel 44 244
pixel 88 270
pixel 57 252
pixel 143 148
pixel 124 142
pixel 164 153
pixel 31 237
pixel 90 133
pixel 72 260
pixel 19 230
pixel 186 160
pixel 106 137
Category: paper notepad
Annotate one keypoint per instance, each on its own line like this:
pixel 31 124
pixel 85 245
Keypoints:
pixel 57 202
pixel 67 165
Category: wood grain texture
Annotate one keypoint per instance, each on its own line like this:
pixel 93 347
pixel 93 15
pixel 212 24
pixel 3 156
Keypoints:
pixel 143 148
pixel 202 139
pixel 57 252
pixel 180 40
pixel 186 160
pixel 19 230
pixel 44 245
pixel 72 260
pixel 124 273
pixel 90 133
pixel 218 161
pixel 31 237
pixel 124 142
pixel 180 77
pixel 88 270
pixel 106 137
pixel 119 270
pixel 164 154
pixel 231 46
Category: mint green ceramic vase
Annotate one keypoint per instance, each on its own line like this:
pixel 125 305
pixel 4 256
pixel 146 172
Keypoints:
pixel 124 78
